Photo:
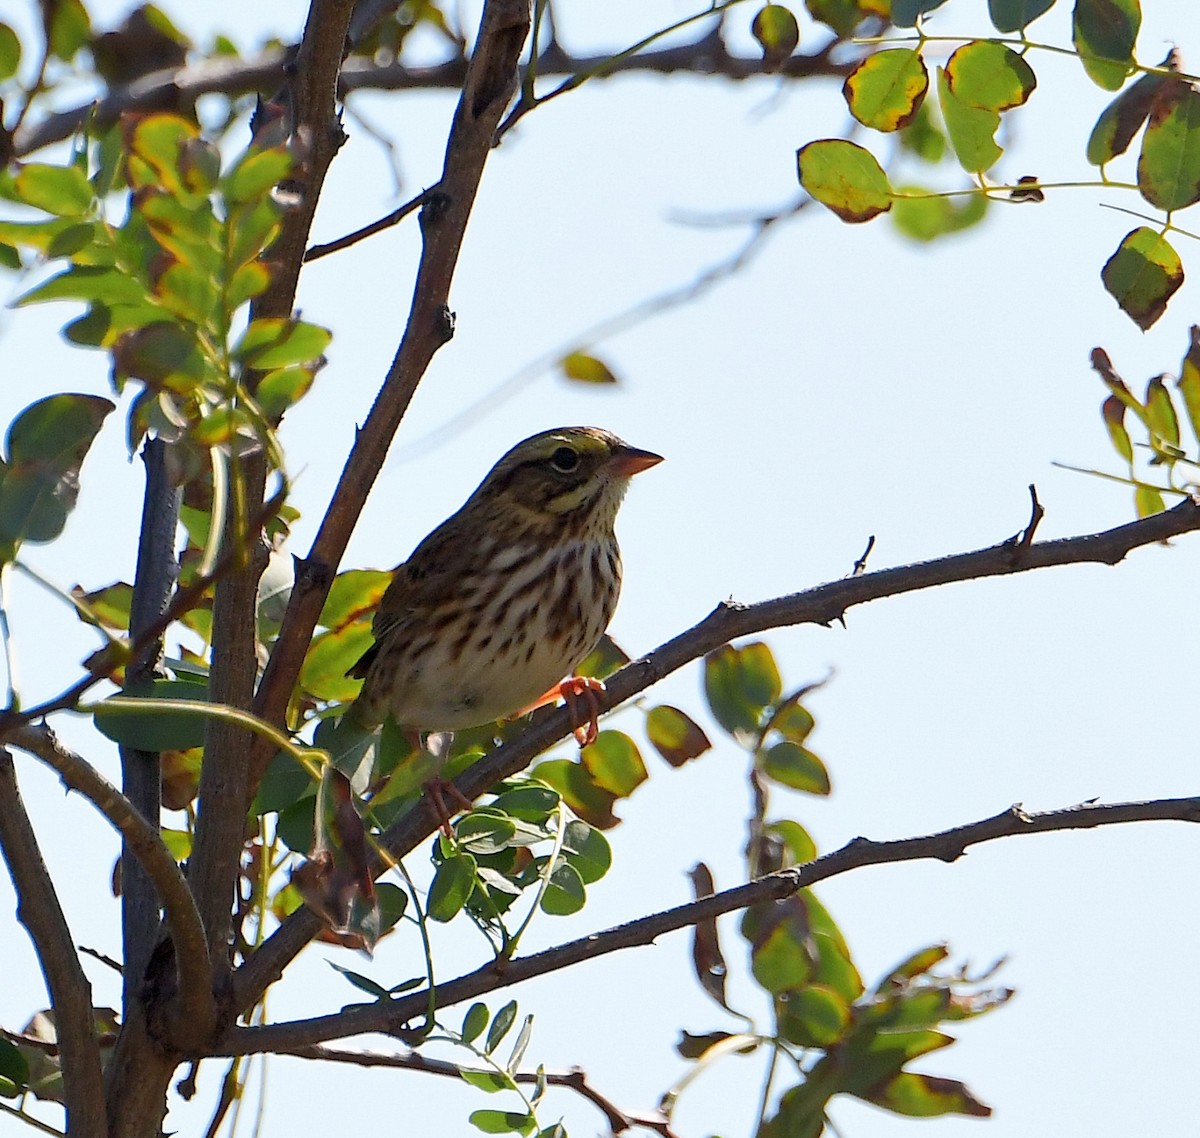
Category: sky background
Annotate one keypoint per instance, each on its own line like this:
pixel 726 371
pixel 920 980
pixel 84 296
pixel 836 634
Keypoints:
pixel 847 383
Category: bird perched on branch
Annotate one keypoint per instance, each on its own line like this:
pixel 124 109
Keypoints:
pixel 508 595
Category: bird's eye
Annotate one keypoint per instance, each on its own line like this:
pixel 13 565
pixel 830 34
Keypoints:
pixel 564 460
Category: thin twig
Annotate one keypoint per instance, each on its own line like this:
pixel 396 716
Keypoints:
pixel 574 1079
pixel 821 605
pixel 315 252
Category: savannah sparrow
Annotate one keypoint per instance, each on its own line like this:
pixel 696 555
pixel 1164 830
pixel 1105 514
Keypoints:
pixel 506 597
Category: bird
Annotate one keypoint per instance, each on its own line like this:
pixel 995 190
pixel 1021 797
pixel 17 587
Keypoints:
pixel 507 596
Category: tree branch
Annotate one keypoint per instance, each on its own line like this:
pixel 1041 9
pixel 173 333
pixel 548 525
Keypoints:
pixel 574 1079
pixel 266 72
pixel 141 771
pixel 947 845
pixel 821 605
pixel 145 843
pixel 70 993
pixel 225 779
pixel 490 81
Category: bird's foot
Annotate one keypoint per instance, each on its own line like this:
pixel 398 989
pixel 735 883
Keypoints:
pixel 438 790
pixel 586 689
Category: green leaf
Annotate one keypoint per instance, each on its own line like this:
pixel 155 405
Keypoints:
pixel 972 130
pixel 796 840
pixel 88 282
pixel 886 90
pixel 1148 501
pixel 990 76
pixel 925 216
pixel 777 33
pixel 528 803
pixel 1168 171
pixel 10 52
pixel 69 27
pixel 353 594
pixel 108 607
pixel 14 1069
pixel 1189 381
pixel 1113 411
pixel 329 657
pixel 587 850
pixel 502 1122
pixel 258 172
pixel 1123 118
pixel 503 1021
pixel 46 446
pixel 843 16
pixel 361 982
pixel 1015 15
pixel 586 369
pixel 845 178
pixel 1142 275
pixel 474 1022
pixel 283 785
pixel 155 145
pixel 615 763
pixel 271 343
pixel 484 832
pixel 796 767
pixel 565 893
pixel 675 735
pixel 926 1096
pixel 782 959
pixel 154 730
pixel 452 884
pixel 1160 412
pixel 815 1016
pixel 905 13
pixel 740 683
pixel 490 1082
pixel 924 137
pixel 1104 33
pixel 579 791
pixel 392 902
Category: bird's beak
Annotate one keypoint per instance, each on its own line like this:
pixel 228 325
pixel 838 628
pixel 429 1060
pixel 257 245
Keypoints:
pixel 627 461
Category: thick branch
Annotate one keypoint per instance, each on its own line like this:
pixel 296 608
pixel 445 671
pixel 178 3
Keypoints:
pixel 821 605
pixel 264 73
pixel 225 781
pixel 70 993
pixel 947 846
pixel 490 81
pixel 141 771
pixel 145 843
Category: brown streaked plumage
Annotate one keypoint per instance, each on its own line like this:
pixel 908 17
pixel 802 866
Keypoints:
pixel 508 595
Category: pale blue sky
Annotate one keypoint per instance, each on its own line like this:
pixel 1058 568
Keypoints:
pixel 848 383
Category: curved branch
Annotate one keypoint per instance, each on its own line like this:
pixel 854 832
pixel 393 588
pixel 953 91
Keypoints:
pixel 70 993
pixel 946 845
pixel 821 605
pixel 143 841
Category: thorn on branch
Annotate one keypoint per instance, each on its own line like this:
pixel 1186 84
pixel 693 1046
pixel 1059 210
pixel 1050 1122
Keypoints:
pixel 445 319
pixel 860 566
pixel 1023 539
